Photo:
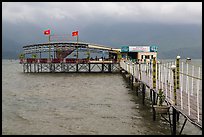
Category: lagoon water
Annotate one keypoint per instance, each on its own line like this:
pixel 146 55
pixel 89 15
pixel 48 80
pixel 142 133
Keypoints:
pixel 65 103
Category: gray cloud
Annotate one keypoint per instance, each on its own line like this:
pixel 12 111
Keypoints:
pixel 45 12
pixel 172 26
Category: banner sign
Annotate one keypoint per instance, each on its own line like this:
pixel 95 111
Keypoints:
pixel 152 48
pixel 139 49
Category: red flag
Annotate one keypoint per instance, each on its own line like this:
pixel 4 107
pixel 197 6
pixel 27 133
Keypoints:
pixel 75 33
pixel 47 32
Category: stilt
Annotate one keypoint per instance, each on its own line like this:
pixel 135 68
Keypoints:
pixel 137 87
pixel 102 70
pixel 174 121
pixel 61 68
pixel 177 118
pixel 154 103
pixel 109 68
pixel 24 67
pixel 170 121
pixel 151 95
pixel 38 67
pixel 77 67
pixel 34 67
pixel 41 67
pixel 54 67
pixel 50 66
pixel 89 67
pixel 132 82
pixel 30 67
pixel 143 93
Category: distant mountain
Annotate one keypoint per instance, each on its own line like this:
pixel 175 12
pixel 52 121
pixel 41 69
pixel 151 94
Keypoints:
pixel 183 39
pixel 172 40
pixel 192 52
pixel 9 55
pixel 10 48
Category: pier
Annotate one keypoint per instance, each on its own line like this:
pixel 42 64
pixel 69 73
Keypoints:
pixel 181 89
pixel 169 78
pixel 65 57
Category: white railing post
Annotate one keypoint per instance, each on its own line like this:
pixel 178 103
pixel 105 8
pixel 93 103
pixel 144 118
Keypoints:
pixel 169 81
pixel 131 68
pixel 128 67
pixel 189 107
pixel 158 75
pixel 192 80
pixel 150 78
pixel 181 89
pixel 162 77
pixel 187 78
pixel 198 81
pixel 166 78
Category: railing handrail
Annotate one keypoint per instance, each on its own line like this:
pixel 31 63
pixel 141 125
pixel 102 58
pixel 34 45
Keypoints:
pixel 167 83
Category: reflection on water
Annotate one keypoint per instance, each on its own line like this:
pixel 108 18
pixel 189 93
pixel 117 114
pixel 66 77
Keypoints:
pixel 65 103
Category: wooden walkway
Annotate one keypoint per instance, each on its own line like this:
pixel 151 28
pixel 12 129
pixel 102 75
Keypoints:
pixel 189 105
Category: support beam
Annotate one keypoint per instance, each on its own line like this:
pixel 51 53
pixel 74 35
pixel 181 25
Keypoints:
pixel 109 68
pixel 77 67
pixel 102 70
pixel 132 82
pixel 174 121
pixel 143 93
pixel 154 103
pixel 89 67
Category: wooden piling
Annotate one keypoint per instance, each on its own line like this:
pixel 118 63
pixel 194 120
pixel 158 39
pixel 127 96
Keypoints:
pixel 41 67
pixel 151 95
pixel 174 122
pixel 143 93
pixel 89 67
pixel 109 68
pixel 34 67
pixel 154 103
pixel 24 67
pixel 140 71
pixel 137 87
pixel 30 67
pixel 132 75
pixel 38 67
pixel 132 82
pixel 102 70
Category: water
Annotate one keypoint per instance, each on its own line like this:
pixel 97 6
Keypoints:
pixel 62 103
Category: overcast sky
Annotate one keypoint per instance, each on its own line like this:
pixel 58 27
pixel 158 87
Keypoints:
pixel 43 13
pixel 24 22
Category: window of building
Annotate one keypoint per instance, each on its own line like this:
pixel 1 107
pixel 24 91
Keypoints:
pixel 147 56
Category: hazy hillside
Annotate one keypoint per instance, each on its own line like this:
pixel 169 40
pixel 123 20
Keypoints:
pixel 185 40
pixel 192 52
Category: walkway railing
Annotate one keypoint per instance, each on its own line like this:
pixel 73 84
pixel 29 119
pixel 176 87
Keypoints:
pixel 181 84
pixel 65 60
